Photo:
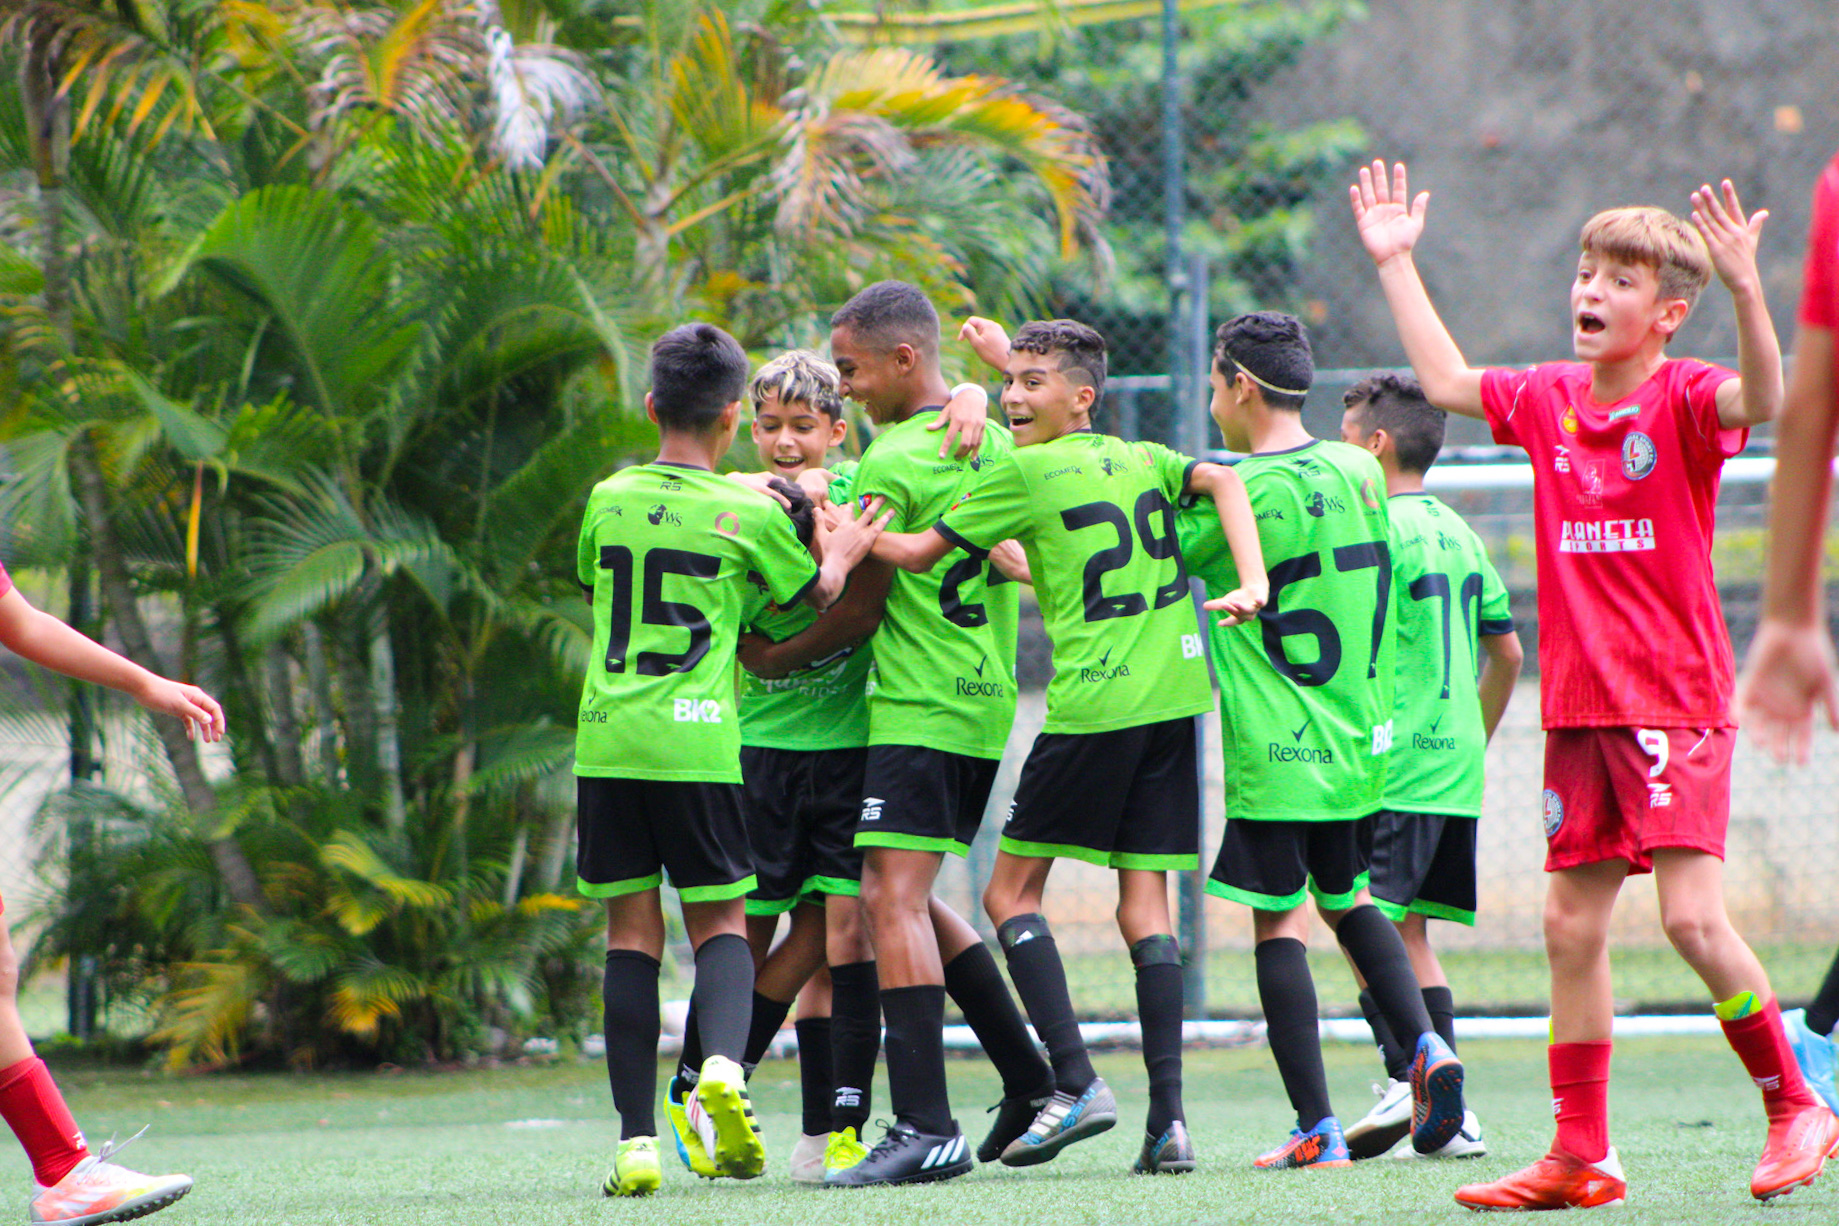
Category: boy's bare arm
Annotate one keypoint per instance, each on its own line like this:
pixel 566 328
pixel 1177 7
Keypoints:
pixel 852 619
pixel 840 546
pixel 1390 223
pixel 1756 395
pixel 43 639
pixel 965 417
pixel 987 339
pixel 1500 668
pixel 914 551
pixel 1227 489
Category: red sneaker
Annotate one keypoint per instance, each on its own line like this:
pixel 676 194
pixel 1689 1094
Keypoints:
pixel 1797 1149
pixel 1556 1181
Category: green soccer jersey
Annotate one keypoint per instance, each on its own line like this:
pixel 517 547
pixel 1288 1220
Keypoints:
pixel 1096 516
pixel 675 555
pixel 1305 687
pixel 823 705
pixel 945 652
pixel 1446 597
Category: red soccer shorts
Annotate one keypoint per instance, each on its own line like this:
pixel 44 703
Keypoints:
pixel 1618 793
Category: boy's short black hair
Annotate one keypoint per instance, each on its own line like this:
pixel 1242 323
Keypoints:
pixel 1081 350
pixel 803 511
pixel 1272 350
pixel 1395 403
pixel 889 313
pixel 697 370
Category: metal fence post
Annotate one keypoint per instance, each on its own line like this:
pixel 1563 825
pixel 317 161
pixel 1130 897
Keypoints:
pixel 80 985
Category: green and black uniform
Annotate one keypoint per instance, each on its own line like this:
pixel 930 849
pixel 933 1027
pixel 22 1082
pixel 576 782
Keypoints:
pixel 944 692
pixel 1306 688
pixel 803 747
pixel 674 556
pixel 1111 777
pixel 1447 597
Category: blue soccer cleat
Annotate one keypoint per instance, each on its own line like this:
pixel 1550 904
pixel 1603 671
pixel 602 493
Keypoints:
pixel 1814 1053
pixel 1436 1094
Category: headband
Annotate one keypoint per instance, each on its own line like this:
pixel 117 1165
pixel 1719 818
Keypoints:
pixel 1281 391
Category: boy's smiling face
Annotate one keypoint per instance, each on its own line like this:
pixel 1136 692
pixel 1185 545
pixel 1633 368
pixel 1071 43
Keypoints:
pixel 793 437
pixel 1040 401
pixel 1616 308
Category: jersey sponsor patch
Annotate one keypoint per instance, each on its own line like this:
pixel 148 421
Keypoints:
pixel 1638 455
pixel 1606 536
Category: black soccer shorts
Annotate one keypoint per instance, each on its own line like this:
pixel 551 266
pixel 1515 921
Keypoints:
pixel 1270 866
pixel 1424 862
pixel 801 807
pixel 923 799
pixel 1128 798
pixel 630 832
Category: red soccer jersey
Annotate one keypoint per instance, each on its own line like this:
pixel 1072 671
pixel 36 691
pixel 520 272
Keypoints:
pixel 1820 290
pixel 1624 500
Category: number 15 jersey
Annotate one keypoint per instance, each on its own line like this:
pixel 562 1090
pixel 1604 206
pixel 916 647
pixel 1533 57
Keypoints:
pixel 1305 687
pixel 675 556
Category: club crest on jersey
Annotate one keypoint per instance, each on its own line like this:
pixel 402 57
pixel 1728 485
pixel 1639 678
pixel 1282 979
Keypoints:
pixel 1569 421
pixel 1554 813
pixel 1638 455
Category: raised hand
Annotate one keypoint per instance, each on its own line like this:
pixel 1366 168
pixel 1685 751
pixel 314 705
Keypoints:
pixel 987 339
pixel 1388 219
pixel 1731 236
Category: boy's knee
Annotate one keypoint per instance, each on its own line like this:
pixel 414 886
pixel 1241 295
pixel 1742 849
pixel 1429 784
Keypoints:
pixel 1568 933
pixel 1692 932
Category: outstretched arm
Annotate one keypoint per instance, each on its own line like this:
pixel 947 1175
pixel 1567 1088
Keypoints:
pixel 43 639
pixel 1500 668
pixel 1756 395
pixel 1390 223
pixel 1227 490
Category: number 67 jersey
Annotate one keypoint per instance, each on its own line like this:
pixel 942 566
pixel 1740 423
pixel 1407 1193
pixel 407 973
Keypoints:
pixel 675 556
pixel 1306 687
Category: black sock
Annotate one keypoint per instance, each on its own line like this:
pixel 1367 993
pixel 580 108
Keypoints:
pixel 768 1018
pixel 1398 1060
pixel 723 995
pixel 1287 992
pixel 815 1080
pixel 855 1038
pixel 916 1057
pixel 1440 1003
pixel 629 993
pixel 689 1061
pixel 1378 953
pixel 977 988
pixel 1823 1013
pixel 1040 980
pixel 1158 963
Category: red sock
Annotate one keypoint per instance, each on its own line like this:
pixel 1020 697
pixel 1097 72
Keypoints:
pixel 1580 1098
pixel 1762 1045
pixel 35 1111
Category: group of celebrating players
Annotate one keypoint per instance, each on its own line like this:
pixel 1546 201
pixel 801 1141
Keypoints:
pixel 1363 653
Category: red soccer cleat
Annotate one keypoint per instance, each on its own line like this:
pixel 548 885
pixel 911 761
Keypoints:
pixel 1556 1181
pixel 1795 1153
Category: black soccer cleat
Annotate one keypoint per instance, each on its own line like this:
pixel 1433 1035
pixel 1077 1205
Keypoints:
pixel 1014 1116
pixel 904 1155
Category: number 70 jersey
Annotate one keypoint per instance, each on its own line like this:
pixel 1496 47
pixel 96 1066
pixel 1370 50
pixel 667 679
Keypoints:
pixel 674 556
pixel 1306 687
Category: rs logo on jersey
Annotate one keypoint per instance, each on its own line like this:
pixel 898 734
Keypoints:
pixel 698 711
pixel 871 808
pixel 1191 647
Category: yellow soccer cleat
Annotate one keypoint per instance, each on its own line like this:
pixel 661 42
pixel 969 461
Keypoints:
pixel 722 1118
pixel 690 1150
pixel 844 1150
pixel 635 1168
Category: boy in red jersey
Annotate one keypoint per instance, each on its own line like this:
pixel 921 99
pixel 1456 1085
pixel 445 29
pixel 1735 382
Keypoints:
pixel 1790 666
pixel 73 1185
pixel 1636 670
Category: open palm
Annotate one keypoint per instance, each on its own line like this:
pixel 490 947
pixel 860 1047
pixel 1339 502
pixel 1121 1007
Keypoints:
pixel 1389 220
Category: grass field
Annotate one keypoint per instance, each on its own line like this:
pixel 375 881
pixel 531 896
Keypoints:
pixel 530 1146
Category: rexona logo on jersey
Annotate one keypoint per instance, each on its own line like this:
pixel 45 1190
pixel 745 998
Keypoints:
pixel 1296 751
pixel 977 687
pixel 697 711
pixel 1606 536
pixel 1106 671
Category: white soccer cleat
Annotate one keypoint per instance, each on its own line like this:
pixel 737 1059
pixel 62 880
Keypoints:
pixel 1467 1143
pixel 97 1190
pixel 1388 1123
pixel 807 1164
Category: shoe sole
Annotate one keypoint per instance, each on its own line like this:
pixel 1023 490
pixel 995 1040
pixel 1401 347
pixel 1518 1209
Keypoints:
pixel 1602 1204
pixel 1376 1140
pixel 739 1152
pixel 645 1187
pixel 935 1175
pixel 1443 1110
pixel 1020 1153
pixel 130 1211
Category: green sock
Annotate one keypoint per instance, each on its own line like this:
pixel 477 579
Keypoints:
pixel 1739 1006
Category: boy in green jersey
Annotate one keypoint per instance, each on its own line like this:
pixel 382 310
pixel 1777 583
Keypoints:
pixel 670 553
pixel 1111 778
pixel 1458 658
pixel 1306 695
pixel 939 717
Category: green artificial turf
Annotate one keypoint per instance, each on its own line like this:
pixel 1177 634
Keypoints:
pixel 531 1145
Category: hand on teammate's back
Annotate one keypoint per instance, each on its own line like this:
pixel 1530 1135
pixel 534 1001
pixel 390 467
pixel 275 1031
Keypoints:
pixel 1731 237
pixel 1389 220
pixel 1790 669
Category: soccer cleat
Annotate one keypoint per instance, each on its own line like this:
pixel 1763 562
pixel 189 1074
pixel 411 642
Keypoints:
pixel 1014 1116
pixel 1436 1094
pixel 635 1168
pixel 844 1150
pixel 690 1150
pixel 1062 1121
pixel 905 1155
pixel 722 1116
pixel 1796 1152
pixel 1322 1146
pixel 1556 1181
pixel 1467 1143
pixel 1172 1153
pixel 1385 1125
pixel 97 1190
pixel 1814 1053
pixel 807 1161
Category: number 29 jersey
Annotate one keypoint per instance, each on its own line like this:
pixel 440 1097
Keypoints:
pixel 675 557
pixel 1306 687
